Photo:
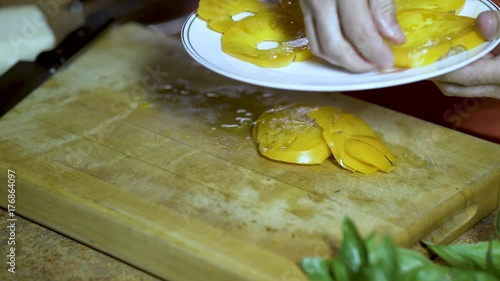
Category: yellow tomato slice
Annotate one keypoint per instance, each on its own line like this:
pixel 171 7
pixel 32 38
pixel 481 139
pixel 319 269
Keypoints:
pixel 243 38
pixel 431 35
pixel 351 125
pixel 287 134
pixel 346 160
pixel 453 6
pixel 377 144
pixel 367 153
pixel 362 144
pixel 419 56
pixel 335 134
pixel 309 135
pixel 468 39
pixel 325 116
pixel 219 13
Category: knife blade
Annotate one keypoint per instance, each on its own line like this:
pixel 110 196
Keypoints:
pixel 22 78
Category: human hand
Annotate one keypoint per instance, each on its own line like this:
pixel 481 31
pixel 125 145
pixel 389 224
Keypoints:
pixel 351 34
pixel 482 77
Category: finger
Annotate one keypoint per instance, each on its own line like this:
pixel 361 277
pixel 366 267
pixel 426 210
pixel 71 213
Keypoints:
pixel 456 90
pixel 384 15
pixel 496 50
pixel 310 27
pixel 481 72
pixel 326 38
pixel 489 24
pixel 489 56
pixel 363 34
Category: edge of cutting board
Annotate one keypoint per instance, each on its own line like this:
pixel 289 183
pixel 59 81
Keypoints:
pixel 181 244
pixel 471 212
pixel 185 249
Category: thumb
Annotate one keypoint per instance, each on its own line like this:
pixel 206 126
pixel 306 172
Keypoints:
pixel 488 24
pixel 384 15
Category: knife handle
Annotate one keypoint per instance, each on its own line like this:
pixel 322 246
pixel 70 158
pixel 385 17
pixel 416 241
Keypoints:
pixel 76 40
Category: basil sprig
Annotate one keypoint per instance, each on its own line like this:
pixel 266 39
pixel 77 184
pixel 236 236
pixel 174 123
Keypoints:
pixel 378 258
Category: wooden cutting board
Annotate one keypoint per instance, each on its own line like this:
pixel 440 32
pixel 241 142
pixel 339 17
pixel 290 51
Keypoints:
pixel 140 152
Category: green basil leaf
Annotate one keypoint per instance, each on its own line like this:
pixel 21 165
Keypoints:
pixel 317 269
pixel 492 264
pixel 432 272
pixel 381 258
pixel 352 249
pixel 458 274
pixel 468 256
pixel 437 272
pixel 409 260
pixel 341 272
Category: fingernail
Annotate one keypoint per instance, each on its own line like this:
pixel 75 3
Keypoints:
pixel 396 31
pixel 488 25
pixel 392 30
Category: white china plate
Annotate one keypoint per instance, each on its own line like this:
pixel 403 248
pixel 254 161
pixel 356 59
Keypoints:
pixel 204 45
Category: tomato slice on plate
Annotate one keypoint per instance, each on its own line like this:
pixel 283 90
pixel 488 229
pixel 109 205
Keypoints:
pixel 433 35
pixel 451 6
pixel 243 38
pixel 219 13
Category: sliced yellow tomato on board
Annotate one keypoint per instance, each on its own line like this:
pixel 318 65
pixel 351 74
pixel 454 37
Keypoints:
pixel 450 6
pixel 325 116
pixel 335 137
pixel 346 160
pixel 351 125
pixel 432 35
pixel 362 144
pixel 309 135
pixel 287 134
pixel 377 144
pixel 353 143
pixel 243 40
pixel 219 13
pixel 367 153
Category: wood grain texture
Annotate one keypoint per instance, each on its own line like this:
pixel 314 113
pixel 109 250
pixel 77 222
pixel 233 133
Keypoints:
pixel 138 151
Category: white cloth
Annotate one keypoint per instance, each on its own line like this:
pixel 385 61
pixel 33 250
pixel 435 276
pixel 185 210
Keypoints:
pixel 24 33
